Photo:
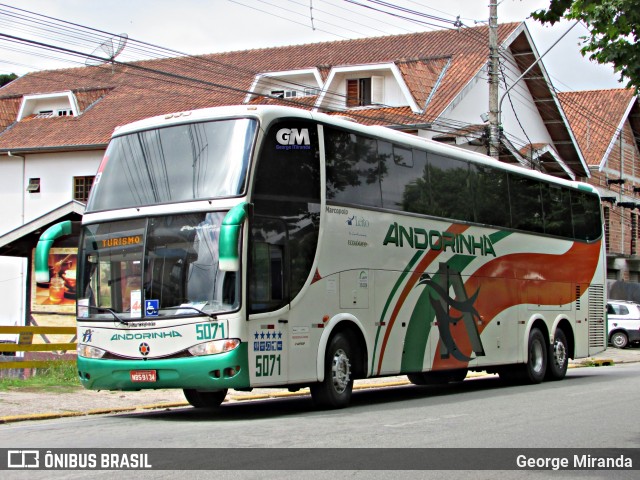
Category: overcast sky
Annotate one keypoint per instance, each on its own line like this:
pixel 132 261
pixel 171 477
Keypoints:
pixel 208 26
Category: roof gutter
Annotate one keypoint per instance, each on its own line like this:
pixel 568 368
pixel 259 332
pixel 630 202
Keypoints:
pixel 61 148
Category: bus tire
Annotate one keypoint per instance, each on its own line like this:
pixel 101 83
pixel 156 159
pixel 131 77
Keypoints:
pixel 201 399
pixel 438 378
pixel 335 390
pixel 558 357
pixel 536 367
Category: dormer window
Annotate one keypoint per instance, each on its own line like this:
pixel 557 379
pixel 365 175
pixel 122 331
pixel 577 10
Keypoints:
pixel 284 93
pixel 286 84
pixel 362 92
pixel 44 114
pixel 48 105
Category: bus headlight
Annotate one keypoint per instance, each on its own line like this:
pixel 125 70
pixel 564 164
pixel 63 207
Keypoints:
pixel 90 351
pixel 216 346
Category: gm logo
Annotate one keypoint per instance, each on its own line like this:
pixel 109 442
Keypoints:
pixel 23 459
pixel 293 136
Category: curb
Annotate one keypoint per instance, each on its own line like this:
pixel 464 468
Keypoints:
pixel 241 398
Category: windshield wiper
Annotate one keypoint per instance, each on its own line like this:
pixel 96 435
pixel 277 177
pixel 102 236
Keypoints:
pixel 105 309
pixel 184 307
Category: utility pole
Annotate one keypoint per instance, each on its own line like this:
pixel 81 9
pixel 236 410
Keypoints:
pixel 494 114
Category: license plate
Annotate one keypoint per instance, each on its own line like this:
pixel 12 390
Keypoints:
pixel 143 375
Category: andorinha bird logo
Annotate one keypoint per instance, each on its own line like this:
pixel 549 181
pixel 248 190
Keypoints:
pixel 442 304
pixel 144 349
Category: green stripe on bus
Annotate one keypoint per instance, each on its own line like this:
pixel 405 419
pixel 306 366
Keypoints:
pixel 499 235
pixel 415 341
pixel 395 288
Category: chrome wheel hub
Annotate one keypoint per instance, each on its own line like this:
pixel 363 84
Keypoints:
pixel 537 356
pixel 559 353
pixel 340 371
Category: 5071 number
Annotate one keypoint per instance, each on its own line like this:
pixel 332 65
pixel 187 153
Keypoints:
pixel 209 331
pixel 268 365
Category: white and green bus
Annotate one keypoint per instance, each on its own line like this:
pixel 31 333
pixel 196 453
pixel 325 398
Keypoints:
pixel 261 246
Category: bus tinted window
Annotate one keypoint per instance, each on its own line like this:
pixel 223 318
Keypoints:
pixel 173 164
pixel 556 204
pixel 526 205
pixel 416 181
pixel 490 193
pixel 401 169
pixel 585 209
pixel 286 199
pixel 352 168
pixel 450 193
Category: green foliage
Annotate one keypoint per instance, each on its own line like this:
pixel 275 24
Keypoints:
pixel 59 374
pixel 613 32
pixel 6 78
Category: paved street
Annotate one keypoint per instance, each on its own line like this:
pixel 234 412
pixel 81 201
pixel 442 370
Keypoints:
pixel 26 404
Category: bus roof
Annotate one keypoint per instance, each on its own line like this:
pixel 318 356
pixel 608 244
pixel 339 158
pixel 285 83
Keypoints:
pixel 267 113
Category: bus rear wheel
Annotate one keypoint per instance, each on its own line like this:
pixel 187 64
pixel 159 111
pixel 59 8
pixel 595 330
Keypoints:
pixel 558 357
pixel 201 399
pixel 335 390
pixel 535 369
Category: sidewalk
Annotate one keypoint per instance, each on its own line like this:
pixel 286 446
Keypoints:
pixel 35 404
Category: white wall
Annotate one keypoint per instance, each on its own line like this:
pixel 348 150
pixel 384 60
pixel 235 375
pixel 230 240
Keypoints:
pixel 13 285
pixel 475 101
pixel 11 192
pixel 55 171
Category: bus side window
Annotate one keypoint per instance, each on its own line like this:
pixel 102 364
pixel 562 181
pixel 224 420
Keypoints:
pixel 526 204
pixel 585 214
pixel 267 280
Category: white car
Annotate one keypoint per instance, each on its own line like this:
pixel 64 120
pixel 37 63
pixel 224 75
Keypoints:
pixel 624 323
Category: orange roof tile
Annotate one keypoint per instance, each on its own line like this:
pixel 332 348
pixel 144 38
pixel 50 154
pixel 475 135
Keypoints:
pixel 594 117
pixel 112 95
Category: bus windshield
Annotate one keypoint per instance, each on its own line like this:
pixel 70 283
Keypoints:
pixel 174 164
pixel 155 267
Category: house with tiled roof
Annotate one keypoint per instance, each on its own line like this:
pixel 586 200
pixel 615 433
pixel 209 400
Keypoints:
pixel 55 125
pixel 606 124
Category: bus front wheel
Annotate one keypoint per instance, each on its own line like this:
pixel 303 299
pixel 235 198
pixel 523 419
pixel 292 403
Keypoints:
pixel 335 390
pixel 199 399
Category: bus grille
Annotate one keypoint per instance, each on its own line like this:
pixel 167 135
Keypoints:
pixel 597 324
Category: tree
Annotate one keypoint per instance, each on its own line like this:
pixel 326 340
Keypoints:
pixel 4 78
pixel 613 32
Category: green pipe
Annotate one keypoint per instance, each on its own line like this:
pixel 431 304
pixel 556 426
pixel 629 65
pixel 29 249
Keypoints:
pixel 44 245
pixel 229 234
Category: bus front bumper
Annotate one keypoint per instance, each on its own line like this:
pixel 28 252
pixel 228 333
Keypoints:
pixel 208 372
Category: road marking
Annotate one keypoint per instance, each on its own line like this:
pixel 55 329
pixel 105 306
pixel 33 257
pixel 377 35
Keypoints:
pixel 426 420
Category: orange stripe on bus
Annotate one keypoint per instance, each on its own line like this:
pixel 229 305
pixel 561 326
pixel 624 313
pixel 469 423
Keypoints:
pixel 503 283
pixel 415 276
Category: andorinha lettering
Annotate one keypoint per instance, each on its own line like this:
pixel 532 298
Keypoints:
pixel 121 241
pixel 144 335
pixel 421 239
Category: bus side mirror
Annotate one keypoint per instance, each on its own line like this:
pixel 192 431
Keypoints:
pixel 229 237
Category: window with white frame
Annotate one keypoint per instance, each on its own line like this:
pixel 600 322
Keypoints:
pixel 362 92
